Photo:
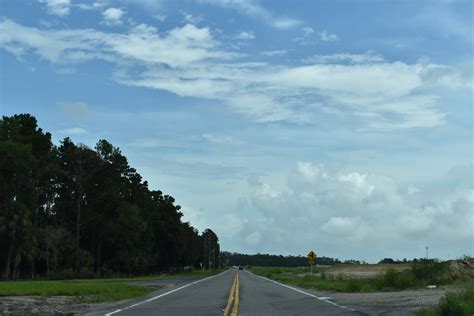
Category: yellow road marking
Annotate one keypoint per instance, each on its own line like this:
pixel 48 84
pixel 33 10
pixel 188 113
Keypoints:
pixel 236 300
pixel 231 296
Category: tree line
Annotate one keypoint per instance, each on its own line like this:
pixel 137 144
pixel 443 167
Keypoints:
pixel 68 210
pixel 239 259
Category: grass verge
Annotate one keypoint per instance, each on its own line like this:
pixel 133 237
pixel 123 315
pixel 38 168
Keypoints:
pixel 91 290
pixel 421 274
pixel 86 291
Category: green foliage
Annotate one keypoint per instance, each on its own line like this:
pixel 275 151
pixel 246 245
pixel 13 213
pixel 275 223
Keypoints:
pixel 453 304
pixel 429 271
pixel 72 211
pixel 392 279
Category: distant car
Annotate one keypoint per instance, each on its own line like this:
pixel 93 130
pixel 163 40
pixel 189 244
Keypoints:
pixel 241 268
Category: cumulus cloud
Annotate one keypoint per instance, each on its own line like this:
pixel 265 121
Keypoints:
pixel 189 61
pixel 358 214
pixel 59 8
pixel 113 16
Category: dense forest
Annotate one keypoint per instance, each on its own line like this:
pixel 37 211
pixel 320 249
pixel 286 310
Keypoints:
pixel 237 259
pixel 73 211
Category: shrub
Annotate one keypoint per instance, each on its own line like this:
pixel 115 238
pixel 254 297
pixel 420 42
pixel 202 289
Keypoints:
pixel 355 285
pixel 429 271
pixel 395 280
pixel 457 303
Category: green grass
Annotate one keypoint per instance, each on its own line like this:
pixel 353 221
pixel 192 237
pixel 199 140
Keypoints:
pixel 90 290
pixel 453 304
pixel 419 276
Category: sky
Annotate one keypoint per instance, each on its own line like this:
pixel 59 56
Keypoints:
pixel 343 127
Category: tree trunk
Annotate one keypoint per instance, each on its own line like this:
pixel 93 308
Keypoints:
pixel 16 264
pixel 8 263
pixel 78 221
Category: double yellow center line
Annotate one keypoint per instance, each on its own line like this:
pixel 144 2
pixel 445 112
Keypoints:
pixel 233 297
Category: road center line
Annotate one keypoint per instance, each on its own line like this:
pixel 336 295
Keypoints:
pixel 231 295
pixel 235 309
pixel 164 294
pixel 324 299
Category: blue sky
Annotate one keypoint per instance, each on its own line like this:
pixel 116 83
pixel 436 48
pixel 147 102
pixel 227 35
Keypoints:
pixel 345 127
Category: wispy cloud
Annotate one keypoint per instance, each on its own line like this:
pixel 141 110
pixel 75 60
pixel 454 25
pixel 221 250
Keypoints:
pixel 189 18
pixel 257 11
pixel 270 53
pixel 222 139
pixel 245 36
pixel 189 62
pixel 325 36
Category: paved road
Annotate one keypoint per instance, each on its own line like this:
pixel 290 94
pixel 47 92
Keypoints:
pixel 230 293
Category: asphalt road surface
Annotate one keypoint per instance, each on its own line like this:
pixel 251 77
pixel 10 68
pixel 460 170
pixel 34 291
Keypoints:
pixel 231 293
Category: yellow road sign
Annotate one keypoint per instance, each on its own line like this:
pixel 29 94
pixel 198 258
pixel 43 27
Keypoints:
pixel 312 256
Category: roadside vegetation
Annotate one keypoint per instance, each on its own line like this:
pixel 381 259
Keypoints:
pixel 420 275
pixel 93 290
pixel 453 304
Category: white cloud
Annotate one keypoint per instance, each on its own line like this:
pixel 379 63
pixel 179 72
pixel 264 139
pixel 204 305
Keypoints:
pixel 73 131
pixel 189 18
pixel 90 6
pixel 255 10
pixel 245 36
pixel 327 37
pixel 188 61
pixel 60 8
pixel 113 16
pixel 358 214
pixel 344 58
pixel 271 53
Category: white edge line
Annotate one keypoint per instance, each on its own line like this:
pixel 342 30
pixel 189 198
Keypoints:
pixel 164 294
pixel 324 299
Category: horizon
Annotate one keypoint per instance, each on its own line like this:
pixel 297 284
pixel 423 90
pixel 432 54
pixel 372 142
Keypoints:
pixel 339 127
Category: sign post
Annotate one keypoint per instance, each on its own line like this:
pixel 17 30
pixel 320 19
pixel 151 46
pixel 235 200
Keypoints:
pixel 312 259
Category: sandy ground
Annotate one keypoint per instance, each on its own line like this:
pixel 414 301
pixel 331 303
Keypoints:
pixel 365 271
pixel 57 305
pixel 401 302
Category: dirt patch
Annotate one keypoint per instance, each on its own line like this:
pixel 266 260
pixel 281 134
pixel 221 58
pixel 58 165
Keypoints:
pixel 363 271
pixel 387 303
pixel 56 305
